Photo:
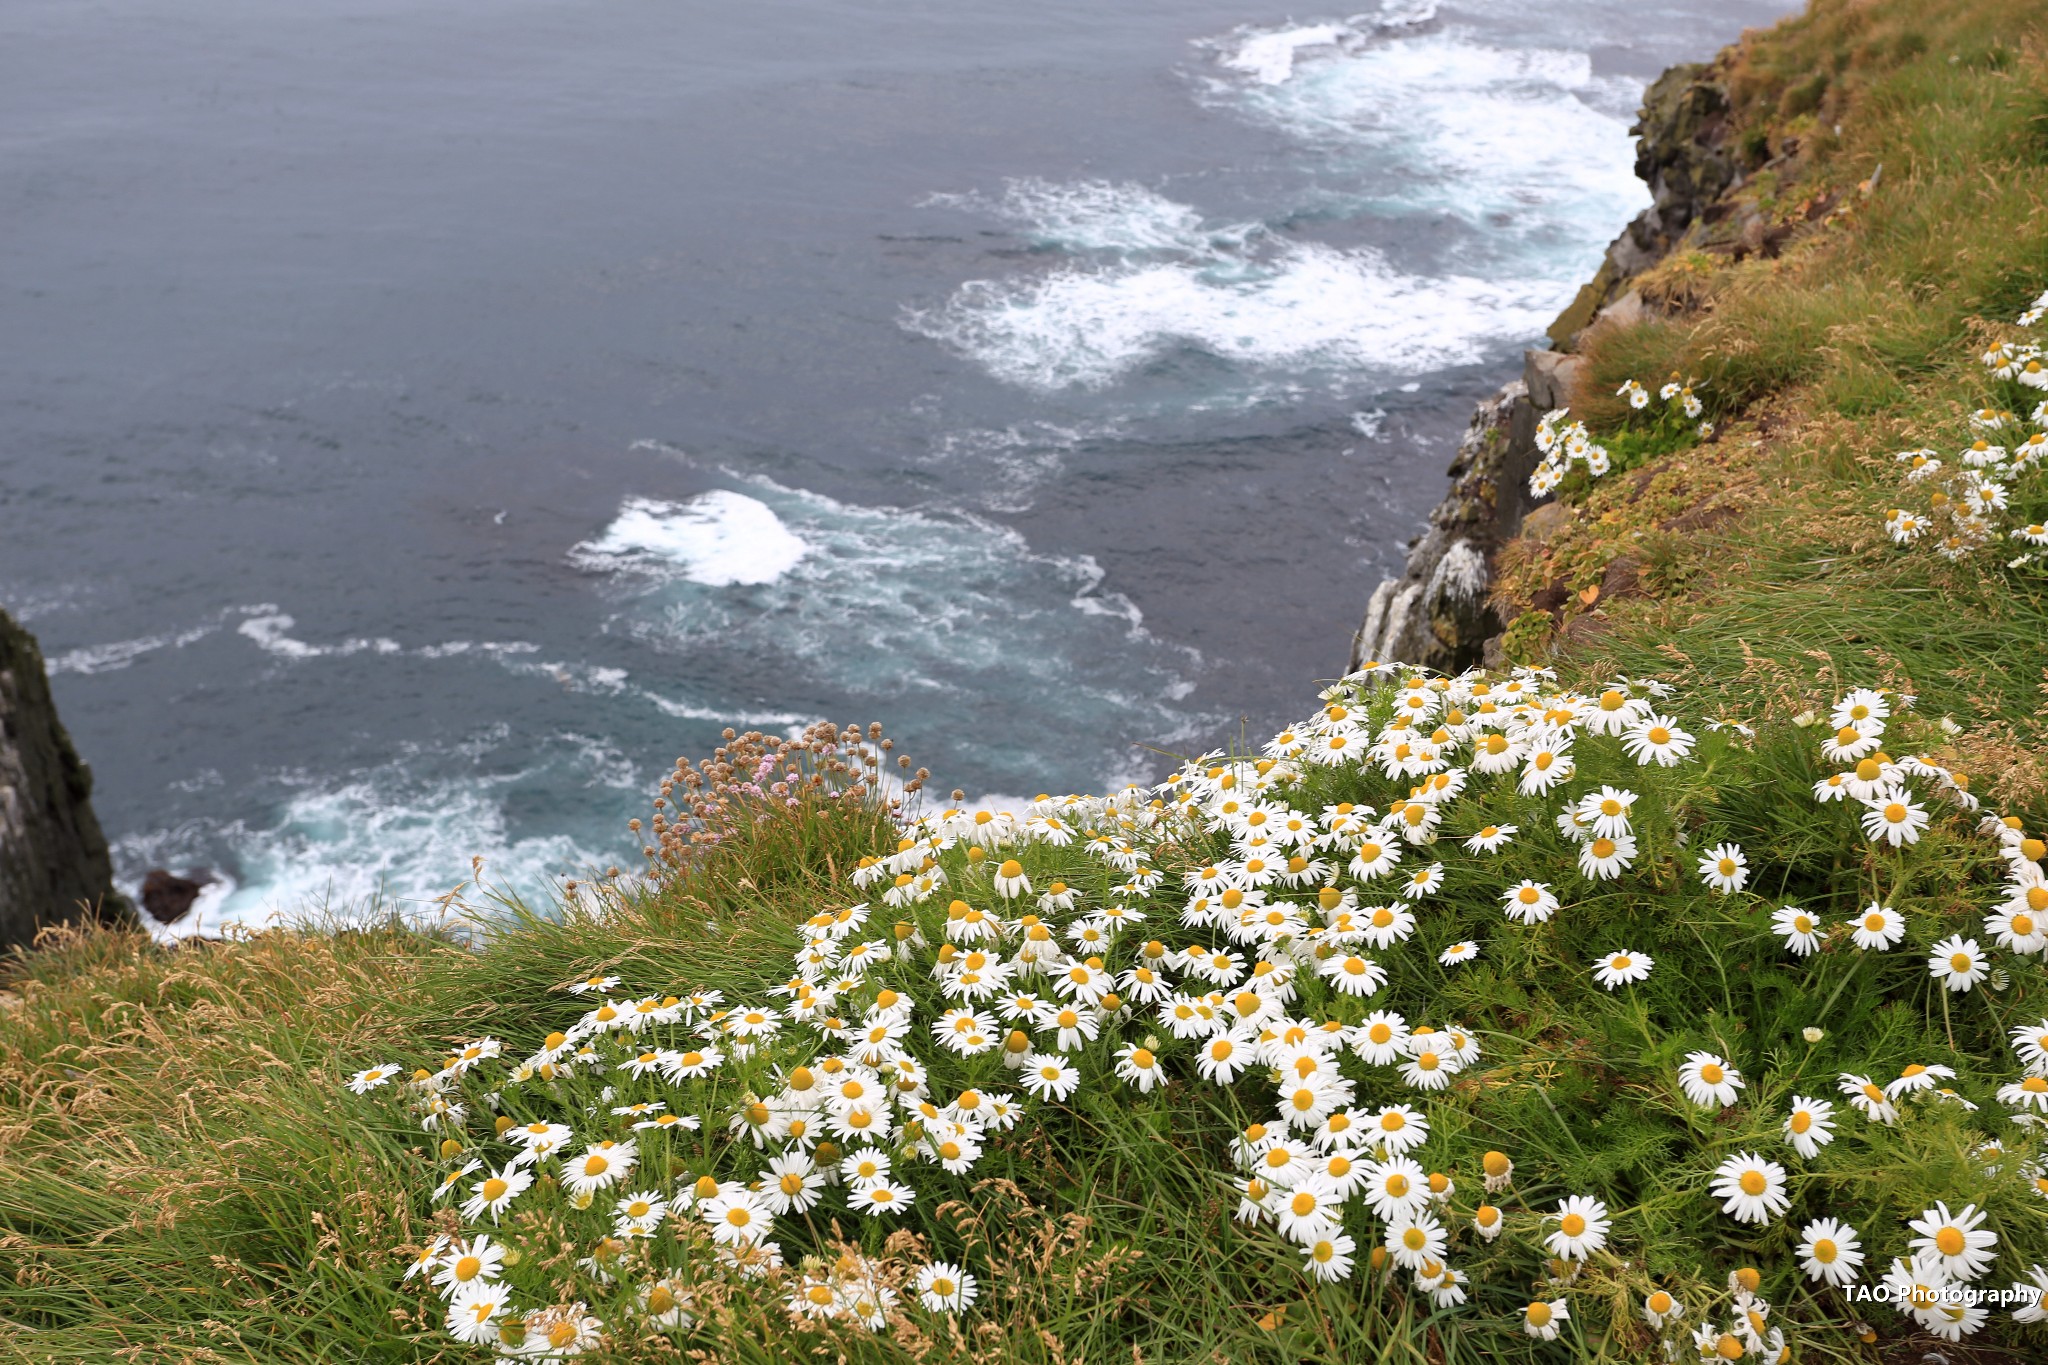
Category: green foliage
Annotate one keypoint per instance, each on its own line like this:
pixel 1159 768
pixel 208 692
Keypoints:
pixel 185 1179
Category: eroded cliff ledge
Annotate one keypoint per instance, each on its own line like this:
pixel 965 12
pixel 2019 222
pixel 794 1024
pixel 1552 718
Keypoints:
pixel 1437 613
pixel 54 865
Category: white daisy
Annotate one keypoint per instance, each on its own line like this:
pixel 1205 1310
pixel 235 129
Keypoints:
pixel 1709 1081
pixel 1800 930
pixel 1958 963
pixel 1582 1225
pixel 945 1288
pixel 1830 1251
pixel 1724 868
pixel 1750 1188
pixel 1958 1242
pixel 1621 969
pixel 1529 903
pixel 1463 951
pixel 1810 1125
pixel 1878 928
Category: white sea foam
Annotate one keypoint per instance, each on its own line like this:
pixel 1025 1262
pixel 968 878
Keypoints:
pixel 120 654
pixel 1290 307
pixel 597 680
pixel 1426 121
pixel 1091 600
pixel 272 634
pixel 271 631
pixel 786 721
pixel 720 539
pixel 938 611
pixel 388 839
pixel 1521 142
pixel 1002 468
pixel 1097 215
pixel 1268 57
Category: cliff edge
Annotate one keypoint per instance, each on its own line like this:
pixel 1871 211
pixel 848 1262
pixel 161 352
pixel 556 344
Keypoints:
pixel 54 865
pixel 1437 614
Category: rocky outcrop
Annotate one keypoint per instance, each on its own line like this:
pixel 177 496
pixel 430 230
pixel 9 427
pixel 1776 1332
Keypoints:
pixel 168 897
pixel 1684 154
pixel 1437 614
pixel 54 866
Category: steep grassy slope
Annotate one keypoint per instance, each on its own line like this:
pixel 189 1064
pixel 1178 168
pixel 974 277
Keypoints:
pixel 186 1176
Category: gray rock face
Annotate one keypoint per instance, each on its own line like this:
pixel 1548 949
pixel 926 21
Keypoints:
pixel 54 866
pixel 1436 614
pixel 1683 154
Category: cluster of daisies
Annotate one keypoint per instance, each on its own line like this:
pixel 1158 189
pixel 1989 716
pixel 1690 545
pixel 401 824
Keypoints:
pixel 1563 444
pixel 1674 392
pixel 1246 926
pixel 1972 497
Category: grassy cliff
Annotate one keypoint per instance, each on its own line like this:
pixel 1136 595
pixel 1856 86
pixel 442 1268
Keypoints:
pixel 188 1176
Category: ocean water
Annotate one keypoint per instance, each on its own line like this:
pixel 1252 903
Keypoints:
pixel 421 425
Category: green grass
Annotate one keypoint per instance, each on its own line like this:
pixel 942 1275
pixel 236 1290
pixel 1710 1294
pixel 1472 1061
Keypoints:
pixel 189 1176
pixel 184 1177
pixel 187 1180
pixel 1859 340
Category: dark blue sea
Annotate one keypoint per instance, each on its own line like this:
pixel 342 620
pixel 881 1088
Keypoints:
pixel 421 424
